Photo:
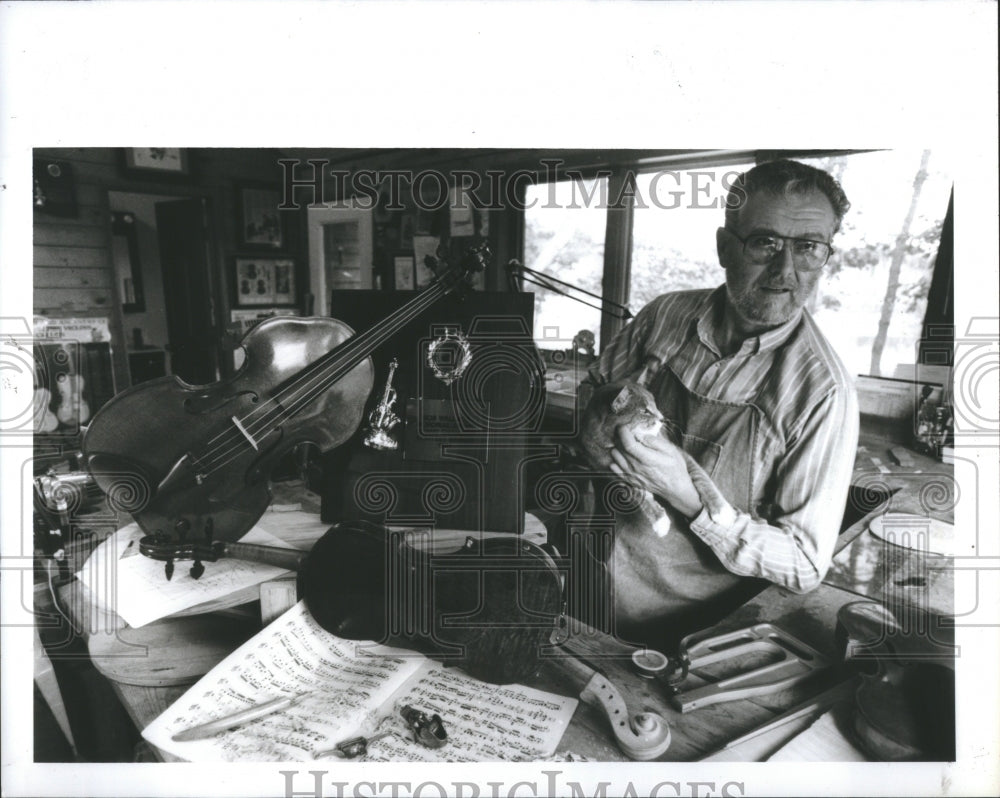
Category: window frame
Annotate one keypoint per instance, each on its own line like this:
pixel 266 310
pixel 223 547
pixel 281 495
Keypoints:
pixel 619 229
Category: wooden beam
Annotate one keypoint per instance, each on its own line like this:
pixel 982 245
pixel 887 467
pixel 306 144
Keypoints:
pixel 617 254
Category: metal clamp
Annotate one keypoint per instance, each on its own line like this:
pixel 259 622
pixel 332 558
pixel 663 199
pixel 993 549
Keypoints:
pixel 797 662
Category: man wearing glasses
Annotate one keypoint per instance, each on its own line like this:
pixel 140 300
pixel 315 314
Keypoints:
pixel 758 397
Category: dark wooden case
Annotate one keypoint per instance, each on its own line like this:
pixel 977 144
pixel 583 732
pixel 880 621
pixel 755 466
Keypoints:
pixel 462 446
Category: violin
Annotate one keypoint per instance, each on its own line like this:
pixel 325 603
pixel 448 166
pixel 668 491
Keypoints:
pixel 44 419
pixel 192 463
pixel 73 408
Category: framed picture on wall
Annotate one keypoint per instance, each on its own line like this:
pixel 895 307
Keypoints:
pixel 264 281
pixel 157 161
pixel 260 223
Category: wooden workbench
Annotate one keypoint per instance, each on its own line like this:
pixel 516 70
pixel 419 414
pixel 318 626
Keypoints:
pixel 151 667
pixel 180 649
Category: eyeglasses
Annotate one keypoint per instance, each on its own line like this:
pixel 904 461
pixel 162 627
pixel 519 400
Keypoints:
pixel 807 255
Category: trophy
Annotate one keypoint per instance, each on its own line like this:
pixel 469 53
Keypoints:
pixel 382 419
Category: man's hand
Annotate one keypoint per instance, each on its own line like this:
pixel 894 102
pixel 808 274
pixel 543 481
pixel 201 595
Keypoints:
pixel 655 464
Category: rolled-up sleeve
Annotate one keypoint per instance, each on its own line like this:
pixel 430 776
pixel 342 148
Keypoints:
pixel 794 547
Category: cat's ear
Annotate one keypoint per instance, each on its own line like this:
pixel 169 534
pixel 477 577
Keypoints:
pixel 621 400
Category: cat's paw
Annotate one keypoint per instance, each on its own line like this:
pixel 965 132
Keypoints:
pixel 662 525
pixel 658 517
pixel 719 510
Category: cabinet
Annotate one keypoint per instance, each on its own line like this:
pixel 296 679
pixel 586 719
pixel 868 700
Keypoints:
pixel 147 364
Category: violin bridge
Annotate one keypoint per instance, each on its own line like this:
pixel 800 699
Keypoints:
pixel 246 434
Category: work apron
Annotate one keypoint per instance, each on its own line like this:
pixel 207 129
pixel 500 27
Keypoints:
pixel 658 581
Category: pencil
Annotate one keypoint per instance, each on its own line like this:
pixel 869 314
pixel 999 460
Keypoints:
pixel 213 727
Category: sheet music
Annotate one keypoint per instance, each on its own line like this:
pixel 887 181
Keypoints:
pixel 137 590
pixel 484 722
pixel 354 689
pixel 346 681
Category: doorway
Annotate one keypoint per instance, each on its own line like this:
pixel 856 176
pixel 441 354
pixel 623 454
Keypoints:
pixel 172 331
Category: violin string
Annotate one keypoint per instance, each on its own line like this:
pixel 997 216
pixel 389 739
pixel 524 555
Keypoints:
pixel 294 397
pixel 317 379
pixel 322 378
pixel 317 374
pixel 326 375
pixel 381 331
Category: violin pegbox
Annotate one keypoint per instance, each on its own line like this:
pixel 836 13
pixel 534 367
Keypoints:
pixel 473 260
pixel 476 259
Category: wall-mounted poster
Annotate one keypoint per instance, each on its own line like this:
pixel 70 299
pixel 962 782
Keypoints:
pixel 264 281
pixel 461 218
pixel 260 221
pixel 160 161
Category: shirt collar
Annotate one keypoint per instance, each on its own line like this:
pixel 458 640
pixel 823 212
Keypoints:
pixel 709 319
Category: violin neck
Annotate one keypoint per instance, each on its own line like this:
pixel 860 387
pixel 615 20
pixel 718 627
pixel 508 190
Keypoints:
pixel 291 559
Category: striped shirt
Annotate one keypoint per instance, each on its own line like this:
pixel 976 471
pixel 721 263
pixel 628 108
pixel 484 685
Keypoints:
pixel 792 375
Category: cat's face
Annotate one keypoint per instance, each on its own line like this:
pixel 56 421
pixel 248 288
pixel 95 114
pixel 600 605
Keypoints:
pixel 612 406
pixel 635 407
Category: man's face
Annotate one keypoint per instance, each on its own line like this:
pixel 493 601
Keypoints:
pixel 764 296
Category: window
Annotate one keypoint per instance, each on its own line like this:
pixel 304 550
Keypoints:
pixel 673 234
pixel 872 297
pixel 564 226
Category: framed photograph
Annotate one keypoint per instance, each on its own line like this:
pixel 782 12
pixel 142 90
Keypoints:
pixel 264 282
pixel 157 161
pixel 341 250
pixel 260 222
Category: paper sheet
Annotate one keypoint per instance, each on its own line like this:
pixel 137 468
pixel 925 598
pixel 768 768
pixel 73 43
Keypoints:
pixel 821 742
pixel 354 688
pixel 138 591
pixel 485 722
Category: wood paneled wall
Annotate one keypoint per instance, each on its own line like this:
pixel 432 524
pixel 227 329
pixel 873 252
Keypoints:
pixel 73 272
